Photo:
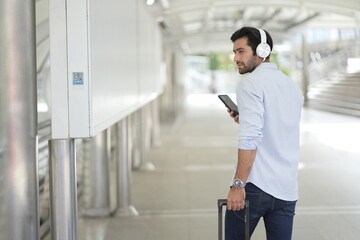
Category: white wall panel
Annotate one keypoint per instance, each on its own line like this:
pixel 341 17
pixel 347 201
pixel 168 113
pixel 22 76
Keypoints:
pixel 149 55
pixel 113 58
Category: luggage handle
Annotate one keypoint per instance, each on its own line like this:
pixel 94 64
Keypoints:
pixel 221 203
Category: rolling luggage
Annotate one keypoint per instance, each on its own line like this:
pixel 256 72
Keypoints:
pixel 221 203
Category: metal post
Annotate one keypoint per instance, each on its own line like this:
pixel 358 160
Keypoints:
pixel 96 192
pixel 134 129
pixel 63 189
pixel 357 38
pixel 124 171
pixel 19 218
pixel 155 115
pixel 305 62
pixel 144 139
pixel 293 58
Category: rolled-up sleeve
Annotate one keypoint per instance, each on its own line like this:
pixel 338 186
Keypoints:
pixel 249 98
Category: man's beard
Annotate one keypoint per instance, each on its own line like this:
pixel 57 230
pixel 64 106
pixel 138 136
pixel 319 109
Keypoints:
pixel 247 70
pixel 248 67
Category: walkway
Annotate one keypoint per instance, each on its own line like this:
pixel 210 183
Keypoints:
pixel 194 165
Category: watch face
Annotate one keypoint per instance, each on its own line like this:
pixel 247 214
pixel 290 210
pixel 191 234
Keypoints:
pixel 238 183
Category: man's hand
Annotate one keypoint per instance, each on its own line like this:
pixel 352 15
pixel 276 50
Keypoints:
pixel 232 114
pixel 236 199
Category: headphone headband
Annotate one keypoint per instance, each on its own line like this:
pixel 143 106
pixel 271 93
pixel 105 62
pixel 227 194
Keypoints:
pixel 263 50
pixel 262 35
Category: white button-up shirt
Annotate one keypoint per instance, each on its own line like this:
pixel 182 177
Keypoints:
pixel 269 105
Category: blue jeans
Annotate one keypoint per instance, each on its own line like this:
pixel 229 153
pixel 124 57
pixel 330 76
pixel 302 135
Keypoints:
pixel 278 216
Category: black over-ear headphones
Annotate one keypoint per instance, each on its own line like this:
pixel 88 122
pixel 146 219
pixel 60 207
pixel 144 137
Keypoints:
pixel 263 50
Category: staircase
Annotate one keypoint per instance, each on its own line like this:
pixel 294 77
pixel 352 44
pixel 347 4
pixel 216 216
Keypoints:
pixel 339 93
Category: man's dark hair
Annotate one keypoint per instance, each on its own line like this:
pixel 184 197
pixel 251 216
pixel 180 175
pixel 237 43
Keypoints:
pixel 253 36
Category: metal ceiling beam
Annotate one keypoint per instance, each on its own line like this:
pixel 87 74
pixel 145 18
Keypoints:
pixel 292 25
pixel 265 20
pixel 210 34
pixel 344 7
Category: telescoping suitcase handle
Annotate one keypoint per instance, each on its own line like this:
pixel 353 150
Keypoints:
pixel 223 202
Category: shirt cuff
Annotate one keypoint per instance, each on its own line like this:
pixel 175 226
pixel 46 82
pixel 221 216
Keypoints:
pixel 247 144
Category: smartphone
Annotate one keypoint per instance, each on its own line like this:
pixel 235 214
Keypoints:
pixel 229 103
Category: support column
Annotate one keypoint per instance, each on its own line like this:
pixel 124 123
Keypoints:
pixel 141 140
pixel 305 62
pixel 97 186
pixel 145 138
pixel 63 189
pixel 155 115
pixel 124 170
pixel 357 37
pixel 19 218
pixel 134 128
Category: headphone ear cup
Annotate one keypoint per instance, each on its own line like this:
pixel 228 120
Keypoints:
pixel 263 50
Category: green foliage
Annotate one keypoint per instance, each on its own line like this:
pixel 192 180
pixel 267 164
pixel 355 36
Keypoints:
pixel 221 61
pixel 274 57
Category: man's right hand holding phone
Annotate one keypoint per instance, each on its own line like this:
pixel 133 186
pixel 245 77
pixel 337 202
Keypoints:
pixel 233 115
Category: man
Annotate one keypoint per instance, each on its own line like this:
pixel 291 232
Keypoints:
pixel 269 106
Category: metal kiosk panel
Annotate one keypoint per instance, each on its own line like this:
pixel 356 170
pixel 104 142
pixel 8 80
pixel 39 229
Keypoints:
pixel 105 64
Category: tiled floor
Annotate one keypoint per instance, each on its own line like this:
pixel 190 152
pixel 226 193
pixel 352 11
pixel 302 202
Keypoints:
pixel 194 165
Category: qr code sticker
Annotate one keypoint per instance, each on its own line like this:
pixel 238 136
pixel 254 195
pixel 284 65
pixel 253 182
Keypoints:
pixel 78 78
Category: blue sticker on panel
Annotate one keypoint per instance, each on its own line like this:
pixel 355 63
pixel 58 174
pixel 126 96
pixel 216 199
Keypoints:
pixel 78 78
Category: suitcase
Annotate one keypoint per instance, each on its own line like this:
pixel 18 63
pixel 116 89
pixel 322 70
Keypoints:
pixel 221 203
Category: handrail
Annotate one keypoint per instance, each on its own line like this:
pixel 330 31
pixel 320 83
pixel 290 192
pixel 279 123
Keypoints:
pixel 43 63
pixel 44 124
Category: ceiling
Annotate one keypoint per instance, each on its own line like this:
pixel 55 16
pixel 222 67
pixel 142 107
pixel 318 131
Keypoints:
pixel 206 25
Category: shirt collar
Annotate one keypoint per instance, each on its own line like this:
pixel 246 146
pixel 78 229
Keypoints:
pixel 267 65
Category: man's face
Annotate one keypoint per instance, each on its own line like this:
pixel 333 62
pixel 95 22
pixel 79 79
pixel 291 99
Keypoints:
pixel 244 56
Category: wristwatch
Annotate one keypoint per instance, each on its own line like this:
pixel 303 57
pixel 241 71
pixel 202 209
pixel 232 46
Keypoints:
pixel 238 183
